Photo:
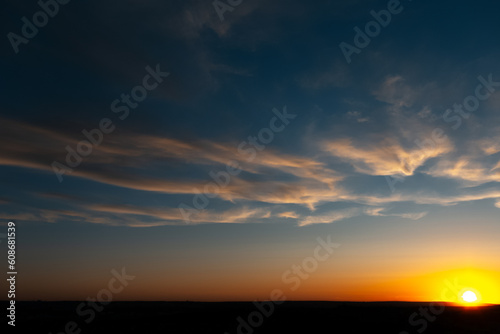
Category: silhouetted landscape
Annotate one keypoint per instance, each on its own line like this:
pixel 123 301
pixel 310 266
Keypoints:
pixel 296 317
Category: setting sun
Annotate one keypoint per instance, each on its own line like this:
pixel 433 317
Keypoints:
pixel 469 297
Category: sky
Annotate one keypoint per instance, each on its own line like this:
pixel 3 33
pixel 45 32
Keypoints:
pixel 209 149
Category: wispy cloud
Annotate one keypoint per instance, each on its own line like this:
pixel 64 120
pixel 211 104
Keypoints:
pixel 357 116
pixel 387 157
pixel 338 215
pixel 330 217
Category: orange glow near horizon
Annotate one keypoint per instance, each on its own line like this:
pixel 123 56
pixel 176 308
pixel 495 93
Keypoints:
pixel 447 286
pixel 476 288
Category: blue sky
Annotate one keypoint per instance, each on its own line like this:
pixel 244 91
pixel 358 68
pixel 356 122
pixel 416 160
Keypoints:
pixel 369 147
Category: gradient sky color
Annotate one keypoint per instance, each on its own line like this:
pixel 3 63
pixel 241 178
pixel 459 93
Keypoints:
pixel 371 158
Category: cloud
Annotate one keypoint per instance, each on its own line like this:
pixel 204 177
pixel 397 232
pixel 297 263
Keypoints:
pixel 477 163
pixel 387 157
pixel 412 216
pixel 396 92
pixel 138 216
pixel 334 216
pixel 143 162
pixel 379 212
pixel 288 214
pixel 130 160
pixel 489 146
pixel 357 116
pixel 173 216
pixel 330 217
pixel 465 169
pixel 5 201
pixel 48 216
pixel 431 198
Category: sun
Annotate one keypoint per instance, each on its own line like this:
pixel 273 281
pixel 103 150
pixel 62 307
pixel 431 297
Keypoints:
pixel 469 297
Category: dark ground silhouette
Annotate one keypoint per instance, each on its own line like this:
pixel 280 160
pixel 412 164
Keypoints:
pixel 289 317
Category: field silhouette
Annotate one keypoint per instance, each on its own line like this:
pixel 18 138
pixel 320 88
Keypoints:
pixel 237 317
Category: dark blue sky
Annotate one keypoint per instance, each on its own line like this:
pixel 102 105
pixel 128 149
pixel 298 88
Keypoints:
pixel 368 141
